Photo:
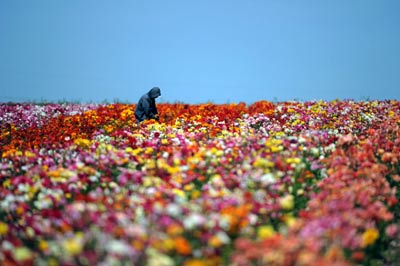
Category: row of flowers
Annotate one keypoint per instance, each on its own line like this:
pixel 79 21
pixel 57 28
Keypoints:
pixel 53 124
pixel 266 184
pixel 28 115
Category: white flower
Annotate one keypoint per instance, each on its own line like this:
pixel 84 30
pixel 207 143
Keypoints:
pixel 173 209
pixel 7 245
pixel 224 222
pixel 314 151
pixel 151 190
pixel 118 247
pixel 197 253
pixel 223 237
pixel 93 178
pixel 22 187
pixel 253 219
pixel 156 258
pixel 267 179
pixel 193 220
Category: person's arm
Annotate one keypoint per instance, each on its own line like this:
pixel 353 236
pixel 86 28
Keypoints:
pixel 156 116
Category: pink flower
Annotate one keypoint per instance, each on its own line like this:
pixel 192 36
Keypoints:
pixel 345 140
pixel 391 231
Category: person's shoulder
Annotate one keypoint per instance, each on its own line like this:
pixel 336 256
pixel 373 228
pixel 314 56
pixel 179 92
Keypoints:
pixel 144 96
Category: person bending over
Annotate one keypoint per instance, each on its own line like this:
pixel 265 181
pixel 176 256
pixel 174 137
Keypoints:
pixel 146 108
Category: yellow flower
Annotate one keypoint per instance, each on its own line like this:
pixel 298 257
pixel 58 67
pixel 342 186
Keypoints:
pixel 3 228
pixel 149 150
pixel 147 182
pixel 43 245
pixel 265 231
pixel 300 192
pixel 287 202
pixel 289 220
pixel 173 170
pixel 7 183
pixel 126 113
pixel 177 162
pixel 74 245
pixel 32 191
pixel 136 151
pixel 215 242
pixel 274 145
pixel 174 229
pixel 188 187
pixel 52 262
pixel 263 163
pixel 84 143
pixel 29 154
pixel 369 237
pixel 22 254
pixel 275 149
pixel 293 160
pixel 54 173
pixel 196 194
pixel 168 244
pixel 179 193
pixel 109 128
pixel 110 147
pixel 216 152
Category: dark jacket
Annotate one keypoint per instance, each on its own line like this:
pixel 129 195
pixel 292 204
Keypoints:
pixel 146 107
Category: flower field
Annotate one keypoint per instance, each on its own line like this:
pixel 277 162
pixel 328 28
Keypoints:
pixel 287 183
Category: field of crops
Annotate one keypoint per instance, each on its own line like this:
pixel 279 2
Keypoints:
pixel 286 183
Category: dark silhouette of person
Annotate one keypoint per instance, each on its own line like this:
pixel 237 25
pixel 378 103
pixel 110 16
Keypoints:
pixel 146 108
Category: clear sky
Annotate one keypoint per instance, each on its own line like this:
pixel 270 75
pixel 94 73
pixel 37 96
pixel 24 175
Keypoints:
pixel 221 51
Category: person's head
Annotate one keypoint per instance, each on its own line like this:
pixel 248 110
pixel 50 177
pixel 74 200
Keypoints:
pixel 155 92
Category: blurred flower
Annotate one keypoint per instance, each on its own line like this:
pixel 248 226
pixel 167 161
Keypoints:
pixel 156 258
pixel 265 231
pixel 287 202
pixel 391 231
pixel 369 237
pixel 182 246
pixel 3 228
pixel 219 239
pixel 74 245
pixel 22 254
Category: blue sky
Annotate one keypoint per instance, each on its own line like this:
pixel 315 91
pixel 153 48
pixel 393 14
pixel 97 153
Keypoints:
pixel 196 51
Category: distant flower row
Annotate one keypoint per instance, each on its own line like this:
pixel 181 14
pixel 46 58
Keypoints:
pixel 313 183
pixel 32 115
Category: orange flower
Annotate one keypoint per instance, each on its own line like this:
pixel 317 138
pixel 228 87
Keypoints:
pixel 174 229
pixel 182 246
pixel 358 255
pixel 334 253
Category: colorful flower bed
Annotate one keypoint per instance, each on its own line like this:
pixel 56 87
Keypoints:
pixel 290 183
